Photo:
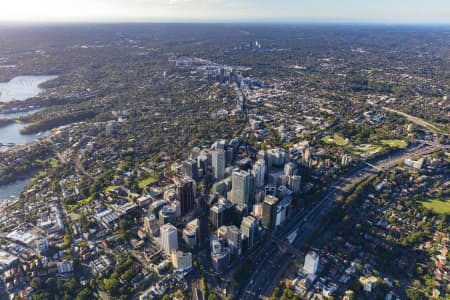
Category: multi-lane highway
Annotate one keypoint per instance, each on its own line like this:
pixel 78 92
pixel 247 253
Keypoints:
pixel 271 261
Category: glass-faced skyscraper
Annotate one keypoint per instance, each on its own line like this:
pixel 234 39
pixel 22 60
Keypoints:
pixel 185 188
pixel 240 192
pixel 269 212
pixel 249 229
pixel 218 164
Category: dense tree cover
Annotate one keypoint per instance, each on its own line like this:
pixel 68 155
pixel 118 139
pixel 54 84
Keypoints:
pixel 13 169
pixel 53 289
pixel 117 283
pixel 414 294
pixel 52 122
pixel 402 244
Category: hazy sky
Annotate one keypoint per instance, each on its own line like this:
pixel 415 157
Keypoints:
pixel 389 11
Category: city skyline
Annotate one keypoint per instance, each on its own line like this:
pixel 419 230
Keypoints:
pixel 351 11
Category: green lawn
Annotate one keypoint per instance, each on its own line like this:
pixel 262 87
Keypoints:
pixel 395 143
pixel 54 163
pixel 80 203
pixel 438 206
pixel 336 139
pixel 145 182
pixel 369 148
pixel 74 216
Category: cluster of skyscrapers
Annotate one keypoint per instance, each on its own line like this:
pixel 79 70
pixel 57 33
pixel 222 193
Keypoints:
pixel 251 193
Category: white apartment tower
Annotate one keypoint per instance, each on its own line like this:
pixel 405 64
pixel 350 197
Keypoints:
pixel 311 263
pixel 169 238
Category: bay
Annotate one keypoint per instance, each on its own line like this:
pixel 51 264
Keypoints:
pixel 19 88
pixel 12 190
pixel 22 87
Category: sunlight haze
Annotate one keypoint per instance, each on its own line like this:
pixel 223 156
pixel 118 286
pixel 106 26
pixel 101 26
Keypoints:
pixel 401 11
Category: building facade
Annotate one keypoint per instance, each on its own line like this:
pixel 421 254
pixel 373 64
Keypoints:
pixel 240 192
pixel 311 263
pixel 218 164
pixel 269 212
pixel 185 189
pixel 249 229
pixel 169 238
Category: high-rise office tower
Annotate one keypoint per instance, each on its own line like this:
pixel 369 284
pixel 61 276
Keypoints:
pixel 167 214
pixel 229 153
pixel 202 165
pixel 240 192
pixel 182 260
pixel 283 211
pixel 185 193
pixel 195 152
pixel 277 157
pixel 295 183
pixel 221 260
pixel 239 212
pixel 232 235
pixel 221 213
pixel 307 154
pixel 190 168
pixel 289 169
pixel 259 170
pixel 269 212
pixel 191 233
pixel 218 164
pixel 249 229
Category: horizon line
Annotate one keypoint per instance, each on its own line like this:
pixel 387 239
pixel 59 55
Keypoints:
pixel 228 22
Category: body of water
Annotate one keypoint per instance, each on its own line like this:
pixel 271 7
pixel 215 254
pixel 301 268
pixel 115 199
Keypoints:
pixel 18 115
pixel 22 87
pixel 12 190
pixel 19 88
pixel 11 134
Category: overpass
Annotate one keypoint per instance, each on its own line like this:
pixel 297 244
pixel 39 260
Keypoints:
pixel 372 166
pixel 413 119
pixel 287 247
pixel 433 144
